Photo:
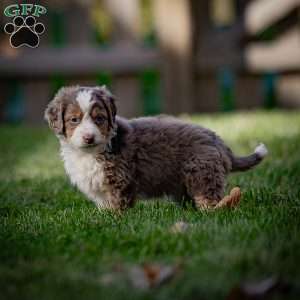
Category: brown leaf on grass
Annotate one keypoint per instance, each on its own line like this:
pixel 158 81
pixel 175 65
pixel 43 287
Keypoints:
pixel 108 279
pixel 142 277
pixel 256 290
pixel 179 227
pixel 151 275
pixel 116 275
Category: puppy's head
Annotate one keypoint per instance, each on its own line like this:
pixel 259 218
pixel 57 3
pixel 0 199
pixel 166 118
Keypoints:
pixel 83 117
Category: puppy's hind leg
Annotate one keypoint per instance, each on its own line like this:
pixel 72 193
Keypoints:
pixel 229 201
pixel 205 181
pixel 206 187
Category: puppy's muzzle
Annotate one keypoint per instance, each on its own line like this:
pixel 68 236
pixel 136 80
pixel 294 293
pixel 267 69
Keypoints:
pixel 88 139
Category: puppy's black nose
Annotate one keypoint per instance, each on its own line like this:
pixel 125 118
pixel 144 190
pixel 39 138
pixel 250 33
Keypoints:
pixel 88 139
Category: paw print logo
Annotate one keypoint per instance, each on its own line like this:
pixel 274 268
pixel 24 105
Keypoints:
pixel 24 32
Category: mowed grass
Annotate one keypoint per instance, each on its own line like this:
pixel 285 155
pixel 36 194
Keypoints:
pixel 56 245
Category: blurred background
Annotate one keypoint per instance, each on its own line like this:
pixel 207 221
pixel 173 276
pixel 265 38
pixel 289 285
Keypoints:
pixel 159 56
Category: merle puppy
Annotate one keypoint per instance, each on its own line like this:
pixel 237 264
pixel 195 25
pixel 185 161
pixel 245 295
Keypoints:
pixel 113 160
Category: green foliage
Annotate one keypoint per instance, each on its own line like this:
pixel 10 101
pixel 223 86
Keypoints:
pixel 14 109
pixel 104 79
pixel 270 99
pixel 57 245
pixel 150 92
pixel 226 90
pixel 57 29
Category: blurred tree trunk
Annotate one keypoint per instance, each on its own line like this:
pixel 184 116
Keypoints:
pixel 78 25
pixel 126 20
pixel 261 14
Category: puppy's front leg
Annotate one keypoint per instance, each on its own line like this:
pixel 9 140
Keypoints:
pixel 108 202
pixel 119 198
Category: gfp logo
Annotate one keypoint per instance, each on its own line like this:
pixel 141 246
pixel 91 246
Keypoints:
pixel 24 29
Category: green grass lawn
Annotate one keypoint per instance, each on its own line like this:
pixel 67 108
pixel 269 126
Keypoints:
pixel 56 245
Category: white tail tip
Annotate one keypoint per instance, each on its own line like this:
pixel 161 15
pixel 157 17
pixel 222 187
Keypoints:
pixel 261 150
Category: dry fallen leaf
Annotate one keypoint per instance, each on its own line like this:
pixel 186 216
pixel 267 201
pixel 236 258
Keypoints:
pixel 179 227
pixel 141 276
pixel 151 275
pixel 108 279
pixel 256 290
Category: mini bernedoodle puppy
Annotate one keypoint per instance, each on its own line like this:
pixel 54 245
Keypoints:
pixel 113 160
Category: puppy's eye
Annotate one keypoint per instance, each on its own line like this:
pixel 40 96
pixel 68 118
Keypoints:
pixel 75 120
pixel 99 120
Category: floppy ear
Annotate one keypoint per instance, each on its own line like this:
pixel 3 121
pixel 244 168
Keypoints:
pixel 104 95
pixel 54 115
pixel 113 107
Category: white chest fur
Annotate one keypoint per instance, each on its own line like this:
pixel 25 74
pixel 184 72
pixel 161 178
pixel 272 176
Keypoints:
pixel 85 172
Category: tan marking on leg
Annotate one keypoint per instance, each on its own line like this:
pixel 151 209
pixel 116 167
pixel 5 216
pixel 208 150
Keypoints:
pixel 231 200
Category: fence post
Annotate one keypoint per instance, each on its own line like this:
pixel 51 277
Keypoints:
pixel 126 20
pixel 36 95
pixel 174 29
pixel 78 25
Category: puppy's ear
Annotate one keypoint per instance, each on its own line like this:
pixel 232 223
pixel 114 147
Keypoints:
pixel 113 107
pixel 103 94
pixel 54 114
pixel 112 102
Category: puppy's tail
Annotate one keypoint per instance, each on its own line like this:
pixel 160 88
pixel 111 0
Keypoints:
pixel 248 162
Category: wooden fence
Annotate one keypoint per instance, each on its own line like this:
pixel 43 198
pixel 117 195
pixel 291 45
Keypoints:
pixel 196 60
